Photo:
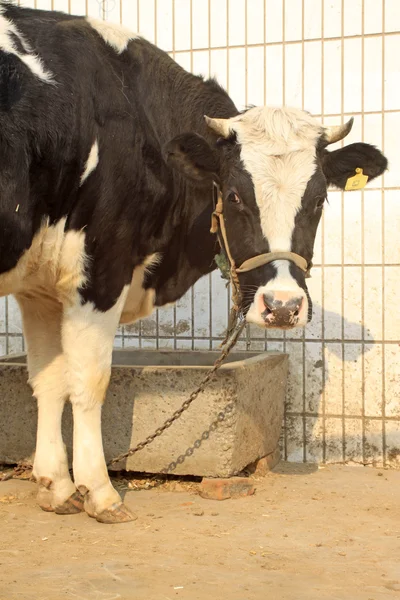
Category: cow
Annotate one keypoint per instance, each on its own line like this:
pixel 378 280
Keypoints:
pixel 110 155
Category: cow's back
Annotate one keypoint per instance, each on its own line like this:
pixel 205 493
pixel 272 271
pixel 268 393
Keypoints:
pixel 66 107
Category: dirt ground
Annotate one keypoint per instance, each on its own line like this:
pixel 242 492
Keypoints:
pixel 306 534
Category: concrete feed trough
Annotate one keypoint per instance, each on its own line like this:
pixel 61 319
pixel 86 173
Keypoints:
pixel 145 388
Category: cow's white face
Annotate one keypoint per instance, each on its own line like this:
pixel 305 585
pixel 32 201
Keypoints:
pixel 278 150
pixel 273 169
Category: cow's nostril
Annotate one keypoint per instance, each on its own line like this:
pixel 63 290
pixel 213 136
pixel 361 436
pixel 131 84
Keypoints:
pixel 268 303
pixel 298 309
pixel 281 309
pixel 299 304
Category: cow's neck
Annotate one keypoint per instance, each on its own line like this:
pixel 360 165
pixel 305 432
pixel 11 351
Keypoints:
pixel 182 100
pixel 184 260
pixel 179 107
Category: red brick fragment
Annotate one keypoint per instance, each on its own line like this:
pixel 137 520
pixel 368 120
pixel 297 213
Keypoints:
pixel 265 465
pixel 223 489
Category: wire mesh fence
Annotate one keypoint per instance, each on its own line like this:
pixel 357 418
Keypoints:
pixel 336 59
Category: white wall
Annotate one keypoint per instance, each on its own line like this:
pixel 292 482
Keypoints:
pixel 335 58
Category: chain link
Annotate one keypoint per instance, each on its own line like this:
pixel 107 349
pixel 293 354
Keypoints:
pixel 230 343
pixel 222 416
pixel 17 471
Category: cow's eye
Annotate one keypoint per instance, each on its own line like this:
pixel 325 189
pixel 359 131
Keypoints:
pixel 234 198
pixel 320 201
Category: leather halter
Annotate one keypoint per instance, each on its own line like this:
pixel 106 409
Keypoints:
pixel 218 226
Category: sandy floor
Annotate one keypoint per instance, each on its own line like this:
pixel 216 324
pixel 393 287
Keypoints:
pixel 331 533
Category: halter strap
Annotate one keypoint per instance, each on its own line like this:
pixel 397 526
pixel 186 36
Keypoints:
pixel 218 224
pixel 264 259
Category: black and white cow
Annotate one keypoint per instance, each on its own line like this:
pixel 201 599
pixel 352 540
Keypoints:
pixel 107 166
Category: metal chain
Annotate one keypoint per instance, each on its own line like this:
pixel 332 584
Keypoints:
pixel 204 437
pixel 175 416
pixel 17 471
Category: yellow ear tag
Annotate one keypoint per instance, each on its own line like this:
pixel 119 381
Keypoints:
pixel 357 182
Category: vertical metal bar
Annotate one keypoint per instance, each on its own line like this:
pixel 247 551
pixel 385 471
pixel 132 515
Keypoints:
pixel 246 101
pixel 192 314
pixel 383 248
pixel 7 327
pixel 155 41
pixel 209 40
pixel 192 295
pixel 228 293
pixel 157 329
pixel 342 239
pixel 303 337
pixel 265 102
pixel 227 52
pixel 140 335
pixel 155 22
pixel 191 34
pixel 323 399
pixel 138 14
pixel 265 52
pixel 210 298
pixel 246 53
pixel 210 287
pixel 173 30
pixel 283 55
pixel 362 244
pixel 173 56
pixel 123 330
pixel 284 94
pixel 284 103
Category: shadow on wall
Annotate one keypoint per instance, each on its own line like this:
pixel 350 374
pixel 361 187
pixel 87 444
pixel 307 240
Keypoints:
pixel 325 416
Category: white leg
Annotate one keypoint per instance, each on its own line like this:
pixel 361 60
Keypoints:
pixel 46 366
pixel 87 338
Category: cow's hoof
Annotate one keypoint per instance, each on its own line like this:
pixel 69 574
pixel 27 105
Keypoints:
pixel 44 495
pixel 48 501
pixel 71 506
pixel 117 513
pixel 45 506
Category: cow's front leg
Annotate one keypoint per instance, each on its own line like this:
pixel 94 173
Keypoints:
pixel 88 337
pixel 46 366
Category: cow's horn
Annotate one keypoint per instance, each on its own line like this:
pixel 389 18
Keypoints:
pixel 338 132
pixel 220 126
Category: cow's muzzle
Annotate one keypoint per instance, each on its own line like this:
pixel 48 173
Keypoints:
pixel 282 309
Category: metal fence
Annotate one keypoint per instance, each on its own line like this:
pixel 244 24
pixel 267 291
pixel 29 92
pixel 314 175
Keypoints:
pixel 335 58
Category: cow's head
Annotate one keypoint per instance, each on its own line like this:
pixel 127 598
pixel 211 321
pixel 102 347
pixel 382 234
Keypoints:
pixel 273 167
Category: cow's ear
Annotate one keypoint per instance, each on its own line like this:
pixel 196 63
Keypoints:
pixel 338 166
pixel 192 156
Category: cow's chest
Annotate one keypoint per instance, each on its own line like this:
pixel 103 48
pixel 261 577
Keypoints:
pixel 140 302
pixel 53 266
